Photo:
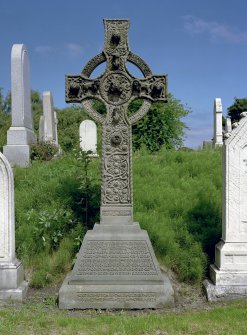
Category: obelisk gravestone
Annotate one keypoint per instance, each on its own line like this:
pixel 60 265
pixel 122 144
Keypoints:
pixel 116 266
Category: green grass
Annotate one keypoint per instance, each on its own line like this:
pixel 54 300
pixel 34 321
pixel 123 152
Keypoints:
pixel 177 199
pixel 33 318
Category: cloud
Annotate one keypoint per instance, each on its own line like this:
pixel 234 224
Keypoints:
pixel 43 49
pixel 74 49
pixel 215 30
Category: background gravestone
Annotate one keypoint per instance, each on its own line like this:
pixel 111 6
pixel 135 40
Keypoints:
pixel 218 138
pixel 116 266
pixel 228 127
pixel 47 129
pixel 229 273
pixel 88 136
pixel 21 134
pixel 12 284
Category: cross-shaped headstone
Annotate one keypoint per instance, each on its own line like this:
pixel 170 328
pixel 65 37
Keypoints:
pixel 116 88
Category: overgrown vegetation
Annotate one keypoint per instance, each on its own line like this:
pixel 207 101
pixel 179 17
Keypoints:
pixel 177 199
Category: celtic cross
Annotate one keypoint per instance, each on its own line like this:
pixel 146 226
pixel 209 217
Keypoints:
pixel 116 88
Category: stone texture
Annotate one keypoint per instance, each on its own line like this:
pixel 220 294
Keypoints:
pixel 218 138
pixel 88 136
pixel 49 119
pixel 12 284
pixel 20 135
pixel 116 266
pixel 228 126
pixel 229 273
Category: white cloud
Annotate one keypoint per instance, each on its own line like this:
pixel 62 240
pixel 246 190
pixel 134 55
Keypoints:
pixel 215 30
pixel 74 49
pixel 43 49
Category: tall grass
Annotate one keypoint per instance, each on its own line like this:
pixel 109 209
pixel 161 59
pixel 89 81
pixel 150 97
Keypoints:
pixel 177 199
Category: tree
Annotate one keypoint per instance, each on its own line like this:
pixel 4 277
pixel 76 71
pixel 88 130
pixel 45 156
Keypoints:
pixel 239 106
pixel 161 126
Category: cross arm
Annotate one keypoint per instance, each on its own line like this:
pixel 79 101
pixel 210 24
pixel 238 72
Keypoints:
pixel 153 88
pixel 79 88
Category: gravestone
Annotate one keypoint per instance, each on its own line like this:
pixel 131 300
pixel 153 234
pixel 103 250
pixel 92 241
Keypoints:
pixel 47 120
pixel 88 136
pixel 20 135
pixel 41 129
pixel 56 132
pixel 228 127
pixel 218 138
pixel 229 273
pixel 116 266
pixel 12 284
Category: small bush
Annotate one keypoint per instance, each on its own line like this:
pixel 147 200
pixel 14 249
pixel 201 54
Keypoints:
pixel 43 151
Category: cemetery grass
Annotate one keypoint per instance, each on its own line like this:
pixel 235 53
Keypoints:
pixel 177 199
pixel 44 318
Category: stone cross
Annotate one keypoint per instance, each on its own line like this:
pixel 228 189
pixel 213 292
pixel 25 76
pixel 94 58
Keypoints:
pixel 116 88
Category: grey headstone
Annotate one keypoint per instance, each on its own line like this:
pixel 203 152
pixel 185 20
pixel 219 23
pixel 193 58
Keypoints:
pixel 21 134
pixel 12 283
pixel 116 266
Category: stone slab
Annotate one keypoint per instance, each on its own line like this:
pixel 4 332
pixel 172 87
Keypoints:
pixel 118 296
pixel 20 136
pixel 116 268
pixel 17 294
pixel 17 154
pixel 224 292
pixel 11 275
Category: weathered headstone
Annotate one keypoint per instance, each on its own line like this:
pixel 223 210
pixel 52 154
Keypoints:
pixel 228 126
pixel 48 118
pixel 229 273
pixel 12 284
pixel 56 132
pixel 218 138
pixel 20 135
pixel 88 136
pixel 116 266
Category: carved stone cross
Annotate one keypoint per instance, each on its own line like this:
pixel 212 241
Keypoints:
pixel 116 88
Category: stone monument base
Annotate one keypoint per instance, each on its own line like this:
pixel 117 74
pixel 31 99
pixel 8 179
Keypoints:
pixel 12 283
pixel 224 292
pixel 17 151
pixel 116 269
pixel 228 275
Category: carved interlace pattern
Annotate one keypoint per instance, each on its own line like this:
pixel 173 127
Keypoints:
pixel 116 88
pixel 116 165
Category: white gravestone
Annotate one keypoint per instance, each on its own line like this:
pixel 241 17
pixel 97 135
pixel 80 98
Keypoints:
pixel 88 136
pixel 56 123
pixel 228 127
pixel 218 138
pixel 12 284
pixel 21 134
pixel 229 273
pixel 49 120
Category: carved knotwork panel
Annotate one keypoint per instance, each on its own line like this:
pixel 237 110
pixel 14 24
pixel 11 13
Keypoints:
pixel 116 160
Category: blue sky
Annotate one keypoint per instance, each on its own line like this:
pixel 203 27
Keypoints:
pixel 201 45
